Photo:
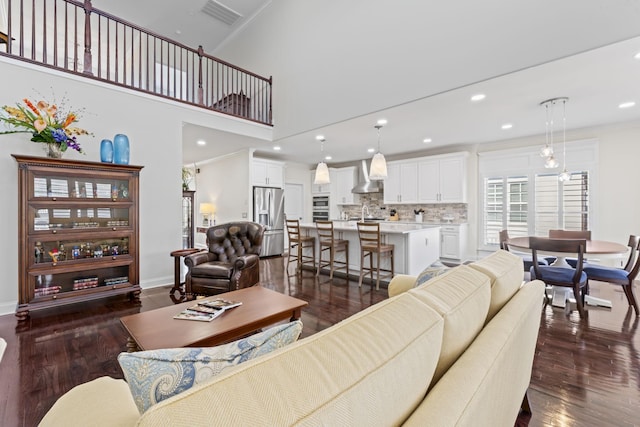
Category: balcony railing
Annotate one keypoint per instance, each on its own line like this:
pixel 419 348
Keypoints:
pixel 74 37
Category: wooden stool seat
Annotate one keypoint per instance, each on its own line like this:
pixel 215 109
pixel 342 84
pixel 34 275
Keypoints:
pixel 297 244
pixel 328 242
pixel 371 245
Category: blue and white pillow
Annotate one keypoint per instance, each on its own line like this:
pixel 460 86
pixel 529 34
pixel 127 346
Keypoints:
pixel 435 269
pixel 156 375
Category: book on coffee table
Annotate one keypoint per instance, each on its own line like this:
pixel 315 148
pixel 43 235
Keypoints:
pixel 201 316
pixel 219 304
pixel 206 311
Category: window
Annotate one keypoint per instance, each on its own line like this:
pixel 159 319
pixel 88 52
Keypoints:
pixel 533 200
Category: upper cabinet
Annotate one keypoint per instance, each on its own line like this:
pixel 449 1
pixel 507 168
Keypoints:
pixel 345 179
pixel 322 188
pixel 267 173
pixel 401 185
pixel 443 179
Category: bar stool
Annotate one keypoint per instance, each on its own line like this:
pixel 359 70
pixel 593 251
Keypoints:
pixel 328 242
pixel 370 244
pixel 298 243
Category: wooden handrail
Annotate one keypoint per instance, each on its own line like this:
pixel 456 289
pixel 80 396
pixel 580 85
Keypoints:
pixel 46 32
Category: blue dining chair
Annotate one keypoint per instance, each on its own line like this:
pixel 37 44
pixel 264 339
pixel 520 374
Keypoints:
pixel 568 234
pixel 620 276
pixel 573 278
pixel 526 258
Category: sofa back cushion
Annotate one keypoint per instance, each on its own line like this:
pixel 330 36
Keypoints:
pixel 462 298
pixel 373 368
pixel 506 272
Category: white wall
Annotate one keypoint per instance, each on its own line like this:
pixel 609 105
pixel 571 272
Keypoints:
pixel 224 182
pixel 154 128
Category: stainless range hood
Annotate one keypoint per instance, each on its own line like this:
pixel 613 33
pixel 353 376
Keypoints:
pixel 365 185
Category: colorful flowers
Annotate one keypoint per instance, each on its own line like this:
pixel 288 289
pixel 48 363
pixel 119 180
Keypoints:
pixel 46 123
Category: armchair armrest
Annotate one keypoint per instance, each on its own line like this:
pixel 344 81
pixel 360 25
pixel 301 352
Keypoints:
pixel 198 258
pixel 246 261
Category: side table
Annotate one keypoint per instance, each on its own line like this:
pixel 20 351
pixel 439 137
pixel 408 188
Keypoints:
pixel 177 284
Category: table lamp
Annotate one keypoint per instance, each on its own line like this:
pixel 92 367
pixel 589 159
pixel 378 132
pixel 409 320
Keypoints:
pixel 206 209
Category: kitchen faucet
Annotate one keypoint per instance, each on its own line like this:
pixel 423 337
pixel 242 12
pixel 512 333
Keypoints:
pixel 365 207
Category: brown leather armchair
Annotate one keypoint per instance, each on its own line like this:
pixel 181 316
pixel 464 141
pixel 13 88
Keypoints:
pixel 231 262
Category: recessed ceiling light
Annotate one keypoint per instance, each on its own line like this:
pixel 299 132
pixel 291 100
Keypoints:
pixel 506 126
pixel 276 147
pixel 381 122
pixel 201 142
pixel 478 97
pixel 637 55
pixel 328 157
pixel 426 140
pixel 371 150
pixel 319 137
pixel 627 104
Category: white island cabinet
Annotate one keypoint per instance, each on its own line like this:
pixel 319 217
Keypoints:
pixel 416 246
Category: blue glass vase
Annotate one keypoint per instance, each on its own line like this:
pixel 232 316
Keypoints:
pixel 121 149
pixel 106 151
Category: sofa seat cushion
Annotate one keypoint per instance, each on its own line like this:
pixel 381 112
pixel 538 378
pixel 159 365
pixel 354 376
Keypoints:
pixel 373 368
pixel 462 298
pixel 213 270
pixel 104 402
pixel 156 375
pixel 506 272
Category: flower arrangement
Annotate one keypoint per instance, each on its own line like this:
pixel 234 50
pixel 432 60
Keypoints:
pixel 47 124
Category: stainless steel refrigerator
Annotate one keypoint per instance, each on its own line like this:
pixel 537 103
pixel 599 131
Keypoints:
pixel 268 210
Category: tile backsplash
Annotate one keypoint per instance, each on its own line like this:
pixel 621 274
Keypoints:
pixel 432 212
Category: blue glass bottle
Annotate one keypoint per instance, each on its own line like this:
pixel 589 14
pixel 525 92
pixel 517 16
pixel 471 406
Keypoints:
pixel 106 151
pixel 121 149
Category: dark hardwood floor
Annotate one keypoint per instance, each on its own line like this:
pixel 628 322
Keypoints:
pixel 586 373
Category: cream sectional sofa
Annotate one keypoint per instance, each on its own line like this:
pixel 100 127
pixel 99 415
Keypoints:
pixel 457 350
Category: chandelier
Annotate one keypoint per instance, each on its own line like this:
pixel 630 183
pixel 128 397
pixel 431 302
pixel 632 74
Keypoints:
pixel 547 150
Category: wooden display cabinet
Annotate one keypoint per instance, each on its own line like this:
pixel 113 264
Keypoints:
pixel 77 231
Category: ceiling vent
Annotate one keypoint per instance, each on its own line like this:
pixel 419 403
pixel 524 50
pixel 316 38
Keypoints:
pixel 221 12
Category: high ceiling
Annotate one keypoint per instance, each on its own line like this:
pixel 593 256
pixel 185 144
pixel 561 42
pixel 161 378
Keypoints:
pixel 596 80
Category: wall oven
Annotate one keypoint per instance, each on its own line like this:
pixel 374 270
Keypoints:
pixel 320 208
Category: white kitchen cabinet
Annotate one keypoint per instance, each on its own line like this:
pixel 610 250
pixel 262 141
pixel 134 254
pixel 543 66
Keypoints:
pixel 345 179
pixel 322 188
pixel 443 179
pixel 267 173
pixel 401 185
pixel 453 242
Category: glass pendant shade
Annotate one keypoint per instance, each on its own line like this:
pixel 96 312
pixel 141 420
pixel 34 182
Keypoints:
pixel 564 176
pixel 322 174
pixel 546 151
pixel 378 168
pixel 551 163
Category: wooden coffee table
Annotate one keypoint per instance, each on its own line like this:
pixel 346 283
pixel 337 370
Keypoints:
pixel 260 307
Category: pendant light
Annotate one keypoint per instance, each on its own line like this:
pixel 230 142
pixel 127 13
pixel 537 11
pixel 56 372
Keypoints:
pixel 565 175
pixel 547 150
pixel 378 169
pixel 322 170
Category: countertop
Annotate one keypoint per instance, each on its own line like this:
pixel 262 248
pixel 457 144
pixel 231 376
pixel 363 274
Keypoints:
pixel 388 227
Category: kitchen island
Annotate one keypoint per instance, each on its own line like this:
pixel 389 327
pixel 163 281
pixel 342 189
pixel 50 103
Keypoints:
pixel 416 245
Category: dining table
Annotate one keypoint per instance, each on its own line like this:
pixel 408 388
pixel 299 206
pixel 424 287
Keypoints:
pixel 601 248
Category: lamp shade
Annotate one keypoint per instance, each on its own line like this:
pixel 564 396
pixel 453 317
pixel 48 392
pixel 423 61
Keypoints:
pixel 206 208
pixel 322 174
pixel 378 168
